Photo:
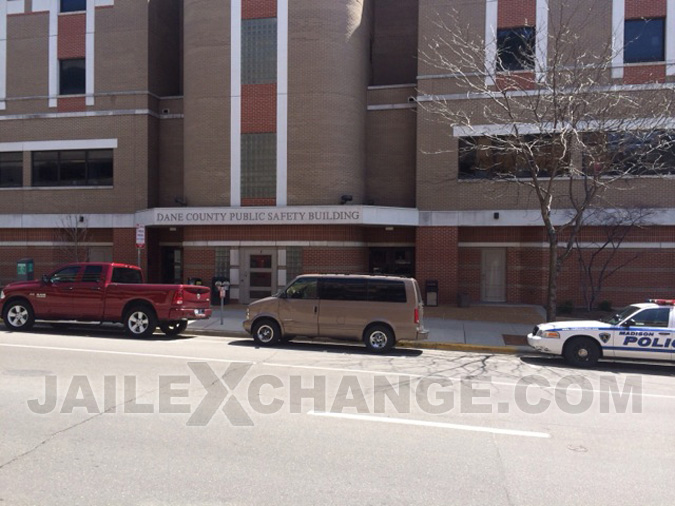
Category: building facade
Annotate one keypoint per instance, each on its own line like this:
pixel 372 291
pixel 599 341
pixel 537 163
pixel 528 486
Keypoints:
pixel 255 140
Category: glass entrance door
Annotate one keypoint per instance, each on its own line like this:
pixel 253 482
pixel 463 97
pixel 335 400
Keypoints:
pixel 258 275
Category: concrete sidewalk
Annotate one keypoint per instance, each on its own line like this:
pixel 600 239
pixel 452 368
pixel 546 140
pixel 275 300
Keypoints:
pixel 486 327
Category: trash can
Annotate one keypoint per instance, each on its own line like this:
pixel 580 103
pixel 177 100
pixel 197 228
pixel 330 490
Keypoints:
pixel 431 289
pixel 216 284
pixel 24 269
pixel 463 300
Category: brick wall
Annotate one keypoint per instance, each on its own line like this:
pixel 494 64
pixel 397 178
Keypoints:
pixel 436 258
pixel 515 13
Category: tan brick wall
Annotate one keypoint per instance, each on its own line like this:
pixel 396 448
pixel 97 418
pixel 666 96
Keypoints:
pixel 394 46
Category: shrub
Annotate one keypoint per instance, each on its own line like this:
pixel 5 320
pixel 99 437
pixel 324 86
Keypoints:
pixel 605 305
pixel 566 307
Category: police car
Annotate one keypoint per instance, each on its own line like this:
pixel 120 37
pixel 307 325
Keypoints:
pixel 644 331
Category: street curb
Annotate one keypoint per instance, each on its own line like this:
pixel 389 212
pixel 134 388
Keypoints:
pixel 427 345
pixel 475 348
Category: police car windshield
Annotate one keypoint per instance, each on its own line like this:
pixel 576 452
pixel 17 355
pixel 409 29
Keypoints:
pixel 619 317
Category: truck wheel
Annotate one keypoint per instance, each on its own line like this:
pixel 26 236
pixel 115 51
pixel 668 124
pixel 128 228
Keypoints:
pixel 582 352
pixel 173 328
pixel 140 322
pixel 18 316
pixel 266 332
pixel 379 338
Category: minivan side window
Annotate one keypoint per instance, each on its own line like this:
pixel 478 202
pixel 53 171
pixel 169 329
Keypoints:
pixel 386 290
pixel 342 289
pixel 303 288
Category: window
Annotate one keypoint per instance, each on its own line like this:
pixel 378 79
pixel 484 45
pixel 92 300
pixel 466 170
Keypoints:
pixel 126 275
pixel 631 153
pixel 65 275
pixel 72 77
pixel 508 157
pixel 645 40
pixel 92 274
pixel 385 290
pixel 652 318
pixel 73 5
pixel 303 288
pixel 259 165
pixel 343 289
pixel 11 170
pixel 259 51
pixel 515 48
pixel 73 168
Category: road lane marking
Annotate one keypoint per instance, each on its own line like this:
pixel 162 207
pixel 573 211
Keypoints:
pixel 126 353
pixel 331 369
pixel 440 425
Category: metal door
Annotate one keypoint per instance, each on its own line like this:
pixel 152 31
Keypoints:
pixel 258 274
pixel 493 275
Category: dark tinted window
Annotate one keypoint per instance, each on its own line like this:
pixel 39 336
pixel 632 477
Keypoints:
pixel 645 40
pixel 73 168
pixel 385 290
pixel 92 274
pixel 72 77
pixel 65 275
pixel 303 288
pixel 342 289
pixel 515 48
pixel 73 5
pixel 652 317
pixel 11 169
pixel 126 275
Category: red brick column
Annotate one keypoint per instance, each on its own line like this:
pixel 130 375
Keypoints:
pixel 124 246
pixel 436 258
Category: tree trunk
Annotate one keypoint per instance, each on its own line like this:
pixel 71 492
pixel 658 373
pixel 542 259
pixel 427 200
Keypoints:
pixel 552 295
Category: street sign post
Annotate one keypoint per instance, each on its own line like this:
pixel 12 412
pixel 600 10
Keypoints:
pixel 140 242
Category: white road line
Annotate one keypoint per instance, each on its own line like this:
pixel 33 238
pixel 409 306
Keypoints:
pixel 127 353
pixel 440 425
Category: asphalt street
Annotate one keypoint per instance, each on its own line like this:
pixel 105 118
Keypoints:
pixel 91 417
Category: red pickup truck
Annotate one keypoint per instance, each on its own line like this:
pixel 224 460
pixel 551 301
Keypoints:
pixel 104 292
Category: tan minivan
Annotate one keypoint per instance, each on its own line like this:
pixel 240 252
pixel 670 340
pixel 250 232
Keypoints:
pixel 378 310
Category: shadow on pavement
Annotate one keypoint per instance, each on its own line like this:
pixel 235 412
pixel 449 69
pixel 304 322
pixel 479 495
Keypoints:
pixel 109 331
pixel 354 349
pixel 652 368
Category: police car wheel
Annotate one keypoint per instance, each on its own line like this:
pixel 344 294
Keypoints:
pixel 582 352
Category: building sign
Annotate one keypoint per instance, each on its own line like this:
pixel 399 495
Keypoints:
pixel 258 216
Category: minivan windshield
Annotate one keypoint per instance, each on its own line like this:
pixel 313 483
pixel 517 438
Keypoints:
pixel 619 317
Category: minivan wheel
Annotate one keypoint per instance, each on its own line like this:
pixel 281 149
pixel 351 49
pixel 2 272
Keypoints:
pixel 379 338
pixel 266 332
pixel 582 352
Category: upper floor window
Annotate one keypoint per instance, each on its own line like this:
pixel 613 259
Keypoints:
pixel 72 77
pixel 645 40
pixel 11 169
pixel 515 48
pixel 73 5
pixel 259 51
pixel 73 168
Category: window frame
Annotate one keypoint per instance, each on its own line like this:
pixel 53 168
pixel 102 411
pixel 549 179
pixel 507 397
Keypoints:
pixel 58 182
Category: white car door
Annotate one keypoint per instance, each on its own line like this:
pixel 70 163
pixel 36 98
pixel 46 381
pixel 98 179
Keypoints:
pixel 646 335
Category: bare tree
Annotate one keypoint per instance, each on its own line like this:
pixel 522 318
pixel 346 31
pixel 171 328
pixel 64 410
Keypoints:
pixel 72 235
pixel 544 113
pixel 598 262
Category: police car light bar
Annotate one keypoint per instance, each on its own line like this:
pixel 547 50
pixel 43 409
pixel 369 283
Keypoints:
pixel 662 302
